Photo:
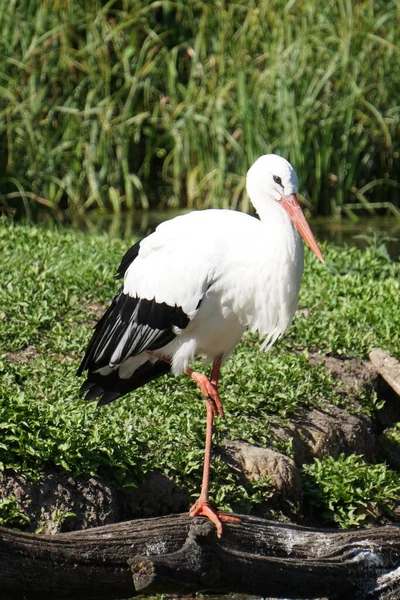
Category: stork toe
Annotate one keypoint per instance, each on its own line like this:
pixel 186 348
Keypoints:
pixel 202 508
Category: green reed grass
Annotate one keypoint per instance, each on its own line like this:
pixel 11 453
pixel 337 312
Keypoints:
pixel 127 104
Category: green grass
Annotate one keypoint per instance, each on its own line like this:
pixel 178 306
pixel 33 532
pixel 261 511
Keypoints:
pixel 351 493
pixel 11 514
pixel 354 303
pixel 135 104
pixel 49 283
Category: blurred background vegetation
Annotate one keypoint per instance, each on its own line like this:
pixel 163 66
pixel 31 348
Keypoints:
pixel 119 105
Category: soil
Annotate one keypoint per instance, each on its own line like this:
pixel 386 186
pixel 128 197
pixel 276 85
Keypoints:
pixel 23 356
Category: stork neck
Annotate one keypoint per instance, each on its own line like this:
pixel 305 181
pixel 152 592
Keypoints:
pixel 278 227
pixel 270 211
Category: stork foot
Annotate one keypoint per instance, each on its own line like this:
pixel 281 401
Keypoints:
pixel 202 508
pixel 209 391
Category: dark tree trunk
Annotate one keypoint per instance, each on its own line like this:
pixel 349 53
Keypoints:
pixel 176 554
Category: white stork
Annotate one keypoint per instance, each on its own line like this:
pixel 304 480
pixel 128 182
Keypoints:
pixel 193 287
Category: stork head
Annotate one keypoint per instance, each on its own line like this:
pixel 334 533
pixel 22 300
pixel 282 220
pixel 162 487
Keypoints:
pixel 273 179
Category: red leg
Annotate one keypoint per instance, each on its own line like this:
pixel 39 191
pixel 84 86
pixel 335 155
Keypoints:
pixel 215 373
pixel 214 406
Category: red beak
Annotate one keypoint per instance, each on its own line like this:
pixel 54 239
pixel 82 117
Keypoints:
pixel 293 209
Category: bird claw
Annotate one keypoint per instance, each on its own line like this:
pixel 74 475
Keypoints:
pixel 216 405
pixel 209 391
pixel 202 508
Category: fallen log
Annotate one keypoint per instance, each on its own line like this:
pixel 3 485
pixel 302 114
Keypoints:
pixel 175 554
pixel 387 366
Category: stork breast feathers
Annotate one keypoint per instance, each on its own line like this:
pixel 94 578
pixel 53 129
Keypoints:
pixel 243 264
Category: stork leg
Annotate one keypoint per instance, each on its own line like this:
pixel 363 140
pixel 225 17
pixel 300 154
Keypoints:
pixel 209 389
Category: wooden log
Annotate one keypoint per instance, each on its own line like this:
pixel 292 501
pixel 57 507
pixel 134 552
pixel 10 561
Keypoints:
pixel 175 554
pixel 387 366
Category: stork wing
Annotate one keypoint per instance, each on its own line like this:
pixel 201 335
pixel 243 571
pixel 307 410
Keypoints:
pixel 164 283
pixel 130 326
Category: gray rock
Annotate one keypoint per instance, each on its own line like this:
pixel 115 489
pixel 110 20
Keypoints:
pixel 330 432
pixel 255 462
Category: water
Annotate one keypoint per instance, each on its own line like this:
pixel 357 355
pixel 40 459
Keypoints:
pixel 129 226
pixel 364 232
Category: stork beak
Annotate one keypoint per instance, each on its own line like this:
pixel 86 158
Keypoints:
pixel 293 209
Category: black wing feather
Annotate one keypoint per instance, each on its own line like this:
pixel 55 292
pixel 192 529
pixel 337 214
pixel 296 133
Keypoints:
pixel 143 324
pixel 130 325
pixel 127 260
pixel 112 387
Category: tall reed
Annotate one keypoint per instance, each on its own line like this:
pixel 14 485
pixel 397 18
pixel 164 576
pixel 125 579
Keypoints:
pixel 119 104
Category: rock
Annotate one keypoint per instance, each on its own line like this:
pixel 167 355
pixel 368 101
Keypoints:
pixel 328 433
pixel 255 462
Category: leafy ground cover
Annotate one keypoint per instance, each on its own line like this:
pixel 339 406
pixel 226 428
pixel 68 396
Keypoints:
pixel 119 104
pixel 349 492
pixel 54 284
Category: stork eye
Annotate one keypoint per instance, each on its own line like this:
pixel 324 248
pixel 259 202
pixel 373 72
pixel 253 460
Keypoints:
pixel 277 180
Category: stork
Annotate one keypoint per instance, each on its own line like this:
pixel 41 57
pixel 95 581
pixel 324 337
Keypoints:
pixel 193 287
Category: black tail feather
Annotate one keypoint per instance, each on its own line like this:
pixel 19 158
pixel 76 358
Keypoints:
pixel 88 358
pixel 95 391
pixel 86 386
pixel 111 387
pixel 108 397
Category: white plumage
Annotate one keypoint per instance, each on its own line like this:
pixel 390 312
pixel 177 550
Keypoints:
pixel 195 285
pixel 222 280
